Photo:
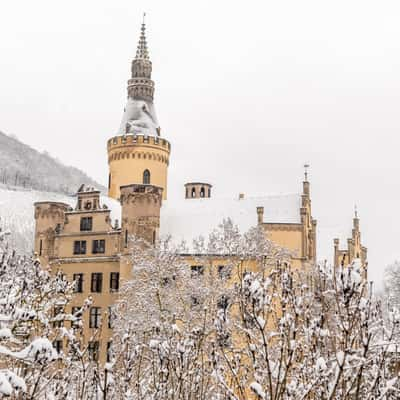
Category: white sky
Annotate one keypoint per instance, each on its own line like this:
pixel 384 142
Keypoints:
pixel 246 91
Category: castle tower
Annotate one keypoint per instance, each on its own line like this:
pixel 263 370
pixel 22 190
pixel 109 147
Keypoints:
pixel 138 154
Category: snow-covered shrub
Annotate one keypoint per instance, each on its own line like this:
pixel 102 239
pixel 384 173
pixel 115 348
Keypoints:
pixel 29 298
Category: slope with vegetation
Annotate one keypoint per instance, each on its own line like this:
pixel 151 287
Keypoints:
pixel 23 166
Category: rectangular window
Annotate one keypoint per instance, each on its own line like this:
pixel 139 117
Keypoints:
pixel 223 302
pixel 76 316
pixel 58 320
pixel 197 270
pixel 111 316
pixel 114 281
pixel 40 247
pixel 95 317
pixel 78 279
pixel 99 246
pixel 93 350
pixel 86 223
pixel 224 272
pixel 96 282
pixel 58 344
pixel 80 247
pixel 109 351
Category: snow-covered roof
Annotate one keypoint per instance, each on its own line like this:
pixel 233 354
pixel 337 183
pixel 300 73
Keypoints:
pixel 188 219
pixel 139 118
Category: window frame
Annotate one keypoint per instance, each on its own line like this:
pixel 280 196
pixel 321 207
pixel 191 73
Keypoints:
pixel 98 246
pixel 74 310
pixel 114 278
pixel 94 317
pixel 93 350
pixel 196 270
pixel 81 249
pixel 146 177
pixel 58 346
pixel 96 282
pixel 57 310
pixel 86 224
pixel 78 282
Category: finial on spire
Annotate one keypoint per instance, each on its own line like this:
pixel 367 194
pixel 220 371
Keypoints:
pixel 306 166
pixel 142 52
pixel 355 211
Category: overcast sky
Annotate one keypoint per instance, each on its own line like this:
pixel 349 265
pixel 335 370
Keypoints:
pixel 246 92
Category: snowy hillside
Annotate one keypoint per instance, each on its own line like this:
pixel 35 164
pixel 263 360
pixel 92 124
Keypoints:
pixel 23 166
pixel 17 214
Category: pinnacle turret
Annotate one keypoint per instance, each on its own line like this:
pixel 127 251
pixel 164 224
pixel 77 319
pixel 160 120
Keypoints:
pixel 140 86
pixel 142 52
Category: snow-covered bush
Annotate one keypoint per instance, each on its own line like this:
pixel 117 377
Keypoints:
pixel 32 304
pixel 259 328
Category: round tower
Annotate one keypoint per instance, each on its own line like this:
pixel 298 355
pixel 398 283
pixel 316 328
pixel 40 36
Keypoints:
pixel 138 154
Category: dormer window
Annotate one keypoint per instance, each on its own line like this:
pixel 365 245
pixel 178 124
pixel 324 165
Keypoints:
pixel 146 177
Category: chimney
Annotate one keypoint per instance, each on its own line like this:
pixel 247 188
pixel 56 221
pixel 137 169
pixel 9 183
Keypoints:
pixel 260 215
pixel 241 196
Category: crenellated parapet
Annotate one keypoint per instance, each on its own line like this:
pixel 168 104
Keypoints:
pixel 138 146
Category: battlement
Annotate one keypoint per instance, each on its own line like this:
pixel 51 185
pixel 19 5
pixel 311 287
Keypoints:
pixel 51 209
pixel 136 191
pixel 135 140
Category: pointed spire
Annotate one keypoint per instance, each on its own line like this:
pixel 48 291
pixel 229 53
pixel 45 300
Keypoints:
pixel 140 86
pixel 142 52
pixel 306 166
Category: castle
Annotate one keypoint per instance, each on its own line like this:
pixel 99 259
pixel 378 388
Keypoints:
pixel 84 241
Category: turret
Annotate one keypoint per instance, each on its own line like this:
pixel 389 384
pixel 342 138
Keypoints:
pixel 138 154
pixel 49 220
pixel 141 206
pixel 354 250
pixel 309 225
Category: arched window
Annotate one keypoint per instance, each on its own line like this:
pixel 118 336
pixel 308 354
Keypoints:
pixel 146 177
pixel 202 192
pixel 193 192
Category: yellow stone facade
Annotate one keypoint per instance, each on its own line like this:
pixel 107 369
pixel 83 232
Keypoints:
pixel 131 156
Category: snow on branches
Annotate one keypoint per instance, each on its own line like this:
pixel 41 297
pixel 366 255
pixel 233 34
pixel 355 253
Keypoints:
pixel 237 321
